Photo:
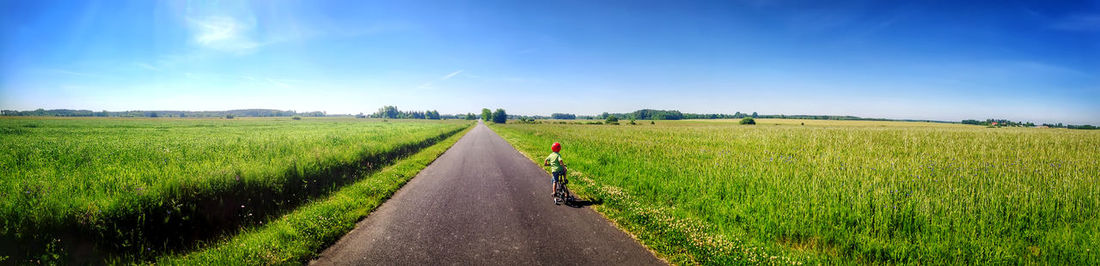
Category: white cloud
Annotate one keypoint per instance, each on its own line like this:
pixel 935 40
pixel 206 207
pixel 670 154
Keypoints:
pixel 449 76
pixel 223 33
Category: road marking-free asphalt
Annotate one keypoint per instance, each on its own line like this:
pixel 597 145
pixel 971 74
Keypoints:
pixel 482 202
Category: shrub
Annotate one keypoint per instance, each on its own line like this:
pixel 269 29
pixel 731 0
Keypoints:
pixel 296 118
pixel 747 121
pixel 499 116
pixel 486 114
pixel 612 119
pixel 228 116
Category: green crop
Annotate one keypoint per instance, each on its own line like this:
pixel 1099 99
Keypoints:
pixel 714 192
pixel 128 185
pixel 305 232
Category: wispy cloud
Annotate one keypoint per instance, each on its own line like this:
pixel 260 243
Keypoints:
pixel 431 85
pixel 146 66
pixel 277 82
pixel 74 73
pixel 453 74
pixel 223 33
pixel 1081 22
pixel 282 83
pixel 528 51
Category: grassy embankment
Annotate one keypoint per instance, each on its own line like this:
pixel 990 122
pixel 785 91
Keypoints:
pixel 713 192
pixel 91 189
pixel 303 233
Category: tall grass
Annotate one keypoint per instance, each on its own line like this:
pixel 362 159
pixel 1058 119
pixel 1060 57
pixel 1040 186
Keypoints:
pixel 714 192
pixel 302 234
pixel 114 179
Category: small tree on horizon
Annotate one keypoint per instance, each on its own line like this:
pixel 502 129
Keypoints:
pixel 500 117
pixel 486 114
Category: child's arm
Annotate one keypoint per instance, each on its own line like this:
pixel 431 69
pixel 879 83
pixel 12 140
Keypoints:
pixel 546 162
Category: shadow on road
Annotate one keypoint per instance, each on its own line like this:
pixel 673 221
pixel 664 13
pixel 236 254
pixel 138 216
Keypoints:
pixel 581 203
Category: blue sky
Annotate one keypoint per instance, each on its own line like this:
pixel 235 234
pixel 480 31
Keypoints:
pixel 947 60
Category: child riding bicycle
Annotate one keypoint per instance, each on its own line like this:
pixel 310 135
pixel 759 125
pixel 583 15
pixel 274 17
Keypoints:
pixel 557 167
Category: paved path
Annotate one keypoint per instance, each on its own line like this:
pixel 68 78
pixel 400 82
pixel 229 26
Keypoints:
pixel 482 202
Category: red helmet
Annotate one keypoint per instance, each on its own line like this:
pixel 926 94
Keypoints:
pixel 556 147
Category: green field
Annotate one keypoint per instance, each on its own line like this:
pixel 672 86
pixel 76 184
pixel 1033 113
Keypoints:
pixel 79 187
pixel 298 236
pixel 714 192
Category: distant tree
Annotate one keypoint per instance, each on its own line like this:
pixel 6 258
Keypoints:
pixel 360 115
pixel 499 116
pixel 660 115
pixel 296 118
pixel 152 114
pixel 754 115
pixel 611 119
pixel 563 116
pixel 486 114
pixel 604 115
pixel 747 121
pixel 388 112
pixel 229 116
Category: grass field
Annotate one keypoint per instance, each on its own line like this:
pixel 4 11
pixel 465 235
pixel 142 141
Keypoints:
pixel 714 192
pixel 75 187
pixel 303 233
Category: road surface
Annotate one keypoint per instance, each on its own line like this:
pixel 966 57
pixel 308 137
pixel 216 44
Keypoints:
pixel 482 202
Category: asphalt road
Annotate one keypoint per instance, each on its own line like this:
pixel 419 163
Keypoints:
pixel 482 202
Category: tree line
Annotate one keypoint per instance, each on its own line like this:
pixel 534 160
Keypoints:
pixel 390 111
pixel 651 114
pixel 168 113
pixel 998 123
pixel 1008 123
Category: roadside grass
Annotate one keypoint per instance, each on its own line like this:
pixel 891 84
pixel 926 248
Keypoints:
pixel 86 189
pixel 837 192
pixel 300 235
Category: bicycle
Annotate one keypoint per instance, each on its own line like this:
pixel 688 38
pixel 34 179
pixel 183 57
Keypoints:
pixel 561 192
